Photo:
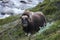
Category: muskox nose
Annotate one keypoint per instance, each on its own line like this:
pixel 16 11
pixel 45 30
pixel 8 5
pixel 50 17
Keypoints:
pixel 24 21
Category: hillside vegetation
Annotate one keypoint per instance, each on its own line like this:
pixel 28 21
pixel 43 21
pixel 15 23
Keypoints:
pixel 51 8
pixel 53 33
pixel 9 19
pixel 10 28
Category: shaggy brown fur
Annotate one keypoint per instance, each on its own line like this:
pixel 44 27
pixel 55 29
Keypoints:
pixel 36 20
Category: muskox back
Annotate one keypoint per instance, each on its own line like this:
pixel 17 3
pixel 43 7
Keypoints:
pixel 35 21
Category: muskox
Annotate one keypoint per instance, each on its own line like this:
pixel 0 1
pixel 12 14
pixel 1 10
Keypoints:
pixel 32 21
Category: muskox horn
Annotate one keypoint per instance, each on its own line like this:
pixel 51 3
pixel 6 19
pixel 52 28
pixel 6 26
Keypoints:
pixel 29 19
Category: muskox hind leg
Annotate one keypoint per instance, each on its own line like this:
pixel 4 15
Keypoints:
pixel 36 27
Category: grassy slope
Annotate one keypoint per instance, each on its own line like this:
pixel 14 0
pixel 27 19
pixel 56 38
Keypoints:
pixel 16 31
pixel 50 8
pixel 8 19
pixel 53 33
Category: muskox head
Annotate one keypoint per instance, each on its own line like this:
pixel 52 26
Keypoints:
pixel 25 18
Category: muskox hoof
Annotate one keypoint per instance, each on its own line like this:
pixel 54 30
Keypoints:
pixel 26 34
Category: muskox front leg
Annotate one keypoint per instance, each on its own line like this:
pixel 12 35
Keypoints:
pixel 29 36
pixel 26 34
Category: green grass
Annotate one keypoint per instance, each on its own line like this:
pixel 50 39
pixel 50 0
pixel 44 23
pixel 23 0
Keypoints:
pixel 53 33
pixel 47 7
pixel 8 19
pixel 15 32
pixel 50 8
